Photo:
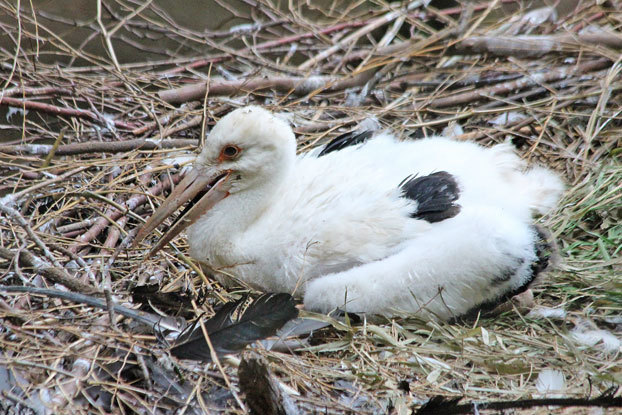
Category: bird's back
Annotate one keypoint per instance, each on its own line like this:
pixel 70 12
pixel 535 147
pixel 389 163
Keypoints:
pixel 347 208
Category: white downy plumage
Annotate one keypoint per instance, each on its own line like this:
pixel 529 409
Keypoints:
pixel 339 229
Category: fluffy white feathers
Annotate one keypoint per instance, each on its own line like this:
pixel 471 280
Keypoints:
pixel 338 230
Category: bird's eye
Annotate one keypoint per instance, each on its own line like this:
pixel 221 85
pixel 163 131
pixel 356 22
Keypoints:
pixel 230 151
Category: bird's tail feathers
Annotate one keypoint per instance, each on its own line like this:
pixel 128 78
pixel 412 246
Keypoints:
pixel 544 188
pixel 541 187
pixel 506 159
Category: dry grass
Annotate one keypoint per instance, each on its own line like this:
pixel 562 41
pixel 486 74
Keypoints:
pixel 67 217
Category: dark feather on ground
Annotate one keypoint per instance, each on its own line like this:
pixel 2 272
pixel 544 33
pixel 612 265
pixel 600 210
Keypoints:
pixel 450 406
pixel 229 333
pixel 150 297
pixel 263 394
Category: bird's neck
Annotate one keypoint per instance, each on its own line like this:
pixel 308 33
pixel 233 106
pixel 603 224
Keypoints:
pixel 233 216
pixel 242 209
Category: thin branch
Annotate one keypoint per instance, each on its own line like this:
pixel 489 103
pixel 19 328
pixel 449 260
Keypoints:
pixel 98 147
pixel 132 203
pixel 17 217
pixel 533 45
pixel 54 274
pixel 151 320
pixel 56 110
pixel 294 85
pixel 370 27
pixel 526 81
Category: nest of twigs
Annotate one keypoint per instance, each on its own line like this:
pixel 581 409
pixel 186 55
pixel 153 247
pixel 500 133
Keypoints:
pixel 102 111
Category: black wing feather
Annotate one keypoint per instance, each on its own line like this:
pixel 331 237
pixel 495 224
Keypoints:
pixel 261 319
pixel 345 140
pixel 439 405
pixel 435 195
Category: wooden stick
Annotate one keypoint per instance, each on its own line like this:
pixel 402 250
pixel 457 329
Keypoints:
pixel 373 25
pixel 96 147
pixel 53 109
pixel 533 79
pixel 132 203
pixel 290 84
pixel 54 274
pixel 532 45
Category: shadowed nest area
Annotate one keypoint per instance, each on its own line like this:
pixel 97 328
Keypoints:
pixel 105 104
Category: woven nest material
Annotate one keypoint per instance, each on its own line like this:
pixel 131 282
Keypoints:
pixel 101 112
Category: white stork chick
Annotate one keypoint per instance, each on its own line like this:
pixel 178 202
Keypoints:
pixel 432 226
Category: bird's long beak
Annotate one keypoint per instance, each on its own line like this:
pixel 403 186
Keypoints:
pixel 194 182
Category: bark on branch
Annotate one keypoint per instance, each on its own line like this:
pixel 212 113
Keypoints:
pixel 524 82
pixel 56 110
pixel 114 214
pixel 54 274
pixel 97 147
pixel 287 84
pixel 532 45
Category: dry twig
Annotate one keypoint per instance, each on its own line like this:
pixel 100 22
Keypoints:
pixel 550 85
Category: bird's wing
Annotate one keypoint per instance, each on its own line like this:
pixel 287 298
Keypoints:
pixel 346 140
pixel 472 260
pixel 435 195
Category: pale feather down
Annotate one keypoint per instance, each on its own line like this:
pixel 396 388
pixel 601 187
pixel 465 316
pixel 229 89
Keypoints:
pixel 336 229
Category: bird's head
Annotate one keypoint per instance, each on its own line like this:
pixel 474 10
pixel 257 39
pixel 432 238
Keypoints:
pixel 248 147
pixel 249 144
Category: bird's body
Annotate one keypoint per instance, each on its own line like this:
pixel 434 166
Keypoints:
pixel 434 226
